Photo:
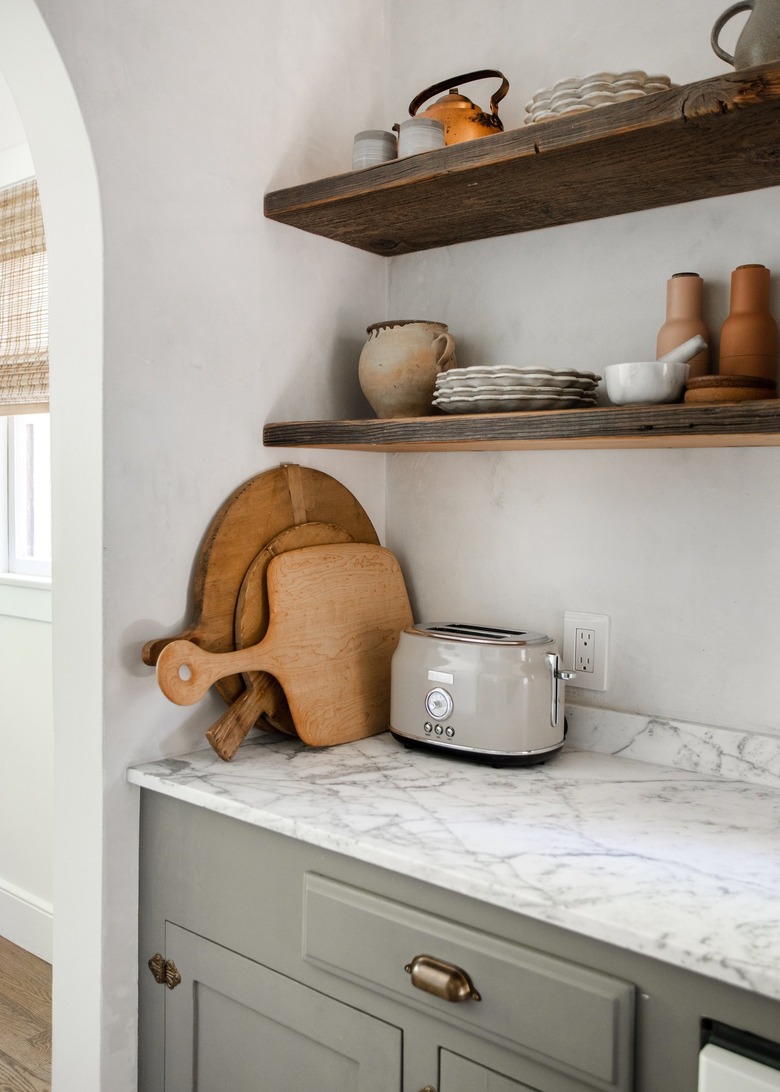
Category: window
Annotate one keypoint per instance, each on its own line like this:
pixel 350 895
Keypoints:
pixel 25 463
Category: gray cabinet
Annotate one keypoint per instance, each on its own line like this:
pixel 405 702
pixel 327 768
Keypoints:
pixel 234 1025
pixel 300 969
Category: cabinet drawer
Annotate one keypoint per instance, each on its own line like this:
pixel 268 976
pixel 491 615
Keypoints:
pixel 577 1020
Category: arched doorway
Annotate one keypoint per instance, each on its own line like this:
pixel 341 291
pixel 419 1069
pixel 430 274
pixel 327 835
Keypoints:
pixel 67 180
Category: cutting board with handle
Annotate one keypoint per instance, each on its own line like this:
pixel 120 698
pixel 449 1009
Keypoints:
pixel 252 515
pixel 336 613
pixel 263 697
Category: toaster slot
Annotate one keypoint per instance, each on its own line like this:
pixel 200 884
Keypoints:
pixel 480 633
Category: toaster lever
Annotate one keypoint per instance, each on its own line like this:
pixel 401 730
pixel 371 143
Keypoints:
pixel 557 674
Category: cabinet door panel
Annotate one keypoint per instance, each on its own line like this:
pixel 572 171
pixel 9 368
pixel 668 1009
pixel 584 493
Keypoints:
pixel 236 1026
pixel 458 1074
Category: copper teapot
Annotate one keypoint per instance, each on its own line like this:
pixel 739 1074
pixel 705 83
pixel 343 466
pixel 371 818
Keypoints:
pixel 462 119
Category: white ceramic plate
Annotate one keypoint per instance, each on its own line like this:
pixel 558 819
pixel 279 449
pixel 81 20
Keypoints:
pixel 504 369
pixel 605 98
pixel 555 391
pixel 574 94
pixel 506 403
pixel 487 391
pixel 515 377
pixel 482 389
pixel 572 84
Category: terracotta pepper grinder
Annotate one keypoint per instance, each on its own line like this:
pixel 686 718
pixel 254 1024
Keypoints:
pixel 748 337
pixel 684 303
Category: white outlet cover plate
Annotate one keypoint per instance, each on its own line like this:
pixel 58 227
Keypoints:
pixel 599 623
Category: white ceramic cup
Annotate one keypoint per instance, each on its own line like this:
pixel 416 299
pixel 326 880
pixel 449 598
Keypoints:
pixel 419 135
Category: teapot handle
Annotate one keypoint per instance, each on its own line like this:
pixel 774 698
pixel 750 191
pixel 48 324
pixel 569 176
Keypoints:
pixel 446 85
pixel 743 5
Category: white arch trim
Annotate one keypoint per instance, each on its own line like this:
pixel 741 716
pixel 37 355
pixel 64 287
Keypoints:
pixel 68 184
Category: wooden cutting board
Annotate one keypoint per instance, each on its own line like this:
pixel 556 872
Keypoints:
pixel 336 613
pixel 252 515
pixel 263 700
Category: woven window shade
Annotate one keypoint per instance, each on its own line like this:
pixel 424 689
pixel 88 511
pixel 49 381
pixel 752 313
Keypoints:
pixel 24 302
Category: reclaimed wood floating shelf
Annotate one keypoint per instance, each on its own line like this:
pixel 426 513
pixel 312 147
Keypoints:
pixel 705 139
pixel 735 424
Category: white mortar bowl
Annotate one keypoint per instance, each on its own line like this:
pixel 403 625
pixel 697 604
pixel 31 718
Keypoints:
pixel 645 381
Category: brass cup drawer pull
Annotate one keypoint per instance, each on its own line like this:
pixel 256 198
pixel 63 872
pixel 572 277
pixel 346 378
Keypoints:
pixel 442 979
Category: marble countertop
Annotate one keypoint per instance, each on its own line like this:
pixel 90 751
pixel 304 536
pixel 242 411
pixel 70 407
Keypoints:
pixel 681 866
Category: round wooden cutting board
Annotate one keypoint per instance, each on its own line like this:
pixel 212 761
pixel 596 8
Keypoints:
pixel 251 517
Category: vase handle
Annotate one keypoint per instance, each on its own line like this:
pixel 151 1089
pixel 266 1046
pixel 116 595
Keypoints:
pixel 446 354
pixel 743 5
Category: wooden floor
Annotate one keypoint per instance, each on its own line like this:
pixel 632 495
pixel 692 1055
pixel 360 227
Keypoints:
pixel 25 1021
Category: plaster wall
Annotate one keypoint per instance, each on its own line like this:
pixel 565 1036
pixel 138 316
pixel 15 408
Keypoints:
pixel 213 321
pixel 679 547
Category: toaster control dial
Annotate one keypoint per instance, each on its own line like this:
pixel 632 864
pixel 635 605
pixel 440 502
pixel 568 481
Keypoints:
pixel 438 703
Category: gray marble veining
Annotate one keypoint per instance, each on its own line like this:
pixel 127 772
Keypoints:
pixel 677 865
pixel 701 748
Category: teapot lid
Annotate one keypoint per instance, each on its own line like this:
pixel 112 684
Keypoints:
pixel 452 98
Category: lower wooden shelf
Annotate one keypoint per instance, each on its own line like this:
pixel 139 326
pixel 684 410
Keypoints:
pixel 734 424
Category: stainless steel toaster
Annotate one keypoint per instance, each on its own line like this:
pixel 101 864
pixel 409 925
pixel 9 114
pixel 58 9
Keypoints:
pixel 494 695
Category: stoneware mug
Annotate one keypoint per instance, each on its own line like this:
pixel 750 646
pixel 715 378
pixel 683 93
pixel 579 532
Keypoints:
pixel 759 41
pixel 399 364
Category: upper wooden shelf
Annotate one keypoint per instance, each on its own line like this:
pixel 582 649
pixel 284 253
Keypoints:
pixel 705 139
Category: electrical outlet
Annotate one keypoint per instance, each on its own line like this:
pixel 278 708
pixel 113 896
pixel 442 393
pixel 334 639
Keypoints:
pixel 584 643
pixel 585 648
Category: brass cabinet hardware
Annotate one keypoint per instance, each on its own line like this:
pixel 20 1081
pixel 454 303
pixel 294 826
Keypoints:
pixel 445 980
pixel 165 971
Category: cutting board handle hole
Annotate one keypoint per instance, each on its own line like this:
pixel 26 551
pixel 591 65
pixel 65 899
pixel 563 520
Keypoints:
pixel 185 672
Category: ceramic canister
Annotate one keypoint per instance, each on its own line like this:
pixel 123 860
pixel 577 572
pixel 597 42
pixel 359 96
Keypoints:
pixel 419 135
pixel 373 146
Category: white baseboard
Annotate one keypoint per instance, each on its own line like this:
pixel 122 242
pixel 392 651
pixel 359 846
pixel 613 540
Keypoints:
pixel 26 920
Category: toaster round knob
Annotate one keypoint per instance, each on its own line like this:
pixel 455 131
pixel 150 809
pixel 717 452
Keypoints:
pixel 438 703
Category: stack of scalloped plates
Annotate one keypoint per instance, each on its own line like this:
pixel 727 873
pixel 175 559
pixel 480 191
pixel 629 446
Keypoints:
pixel 499 388
pixel 580 93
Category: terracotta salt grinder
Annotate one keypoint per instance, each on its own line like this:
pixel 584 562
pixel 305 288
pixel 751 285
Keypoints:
pixel 684 292
pixel 748 337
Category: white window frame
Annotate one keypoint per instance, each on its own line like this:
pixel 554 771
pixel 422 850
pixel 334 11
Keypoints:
pixel 14 567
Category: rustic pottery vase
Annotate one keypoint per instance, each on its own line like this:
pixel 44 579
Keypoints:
pixel 759 41
pixel 684 319
pixel 748 337
pixel 399 364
